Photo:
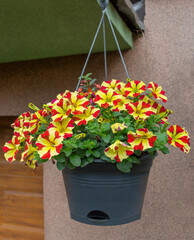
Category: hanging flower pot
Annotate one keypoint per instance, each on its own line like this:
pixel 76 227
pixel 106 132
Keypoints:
pixel 100 194
pixel 104 138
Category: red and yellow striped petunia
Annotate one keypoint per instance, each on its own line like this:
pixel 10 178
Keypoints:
pixel 64 127
pixel 157 91
pixel 49 144
pixel 89 114
pixel 134 88
pixel 22 126
pixel 113 84
pixel 142 139
pixel 179 137
pixel 121 104
pixel 106 98
pixel 118 127
pixel 11 148
pixel 118 151
pixel 77 102
pixel 140 110
pixel 61 110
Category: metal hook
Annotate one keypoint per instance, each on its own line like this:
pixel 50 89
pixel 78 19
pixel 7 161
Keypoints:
pixel 104 4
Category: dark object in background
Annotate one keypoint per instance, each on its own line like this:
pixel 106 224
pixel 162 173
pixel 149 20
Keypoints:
pixel 139 7
pixel 132 12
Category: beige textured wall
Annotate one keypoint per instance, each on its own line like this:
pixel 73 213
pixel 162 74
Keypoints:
pixel 163 55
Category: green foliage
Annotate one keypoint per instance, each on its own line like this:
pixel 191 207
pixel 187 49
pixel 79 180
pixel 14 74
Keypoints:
pixel 61 165
pixel 96 153
pixel 164 150
pixel 134 159
pixel 70 165
pixel 75 159
pixel 106 138
pixel 124 166
pixel 38 158
pixel 60 158
pixel 105 127
pixel 84 162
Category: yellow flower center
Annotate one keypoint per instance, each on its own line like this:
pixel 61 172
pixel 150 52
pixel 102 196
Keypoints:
pixel 108 99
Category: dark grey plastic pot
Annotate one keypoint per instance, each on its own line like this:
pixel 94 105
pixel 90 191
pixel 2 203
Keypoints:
pixel 99 194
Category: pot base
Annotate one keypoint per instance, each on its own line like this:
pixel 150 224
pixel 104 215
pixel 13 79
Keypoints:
pixel 105 222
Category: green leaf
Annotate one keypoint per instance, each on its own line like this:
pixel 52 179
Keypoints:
pixel 93 81
pixel 124 167
pixel 105 127
pixel 161 138
pixel 84 163
pixel 88 153
pixel 61 165
pixel 135 160
pixel 164 150
pixel 67 152
pixel 75 160
pixel 40 160
pixel 105 158
pixel 70 166
pixel 90 159
pixel 60 158
pixel 88 74
pixel 115 114
pixel 96 153
pixel 151 149
pixel 106 138
pixel 137 152
pixel 153 154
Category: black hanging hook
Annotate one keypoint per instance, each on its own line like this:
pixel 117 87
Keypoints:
pixel 104 4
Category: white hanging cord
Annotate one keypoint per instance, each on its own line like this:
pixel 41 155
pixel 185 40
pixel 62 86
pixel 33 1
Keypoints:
pixel 105 58
pixel 117 43
pixel 101 20
pixel 103 4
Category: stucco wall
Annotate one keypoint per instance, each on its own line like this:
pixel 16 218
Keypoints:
pixel 163 55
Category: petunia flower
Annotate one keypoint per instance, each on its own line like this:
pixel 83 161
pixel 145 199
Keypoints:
pixel 11 148
pixel 179 137
pixel 113 84
pixel 29 149
pixel 118 151
pixel 31 162
pixel 134 88
pixel 61 110
pixel 50 105
pixel 89 114
pixel 103 120
pixel 77 102
pixel 64 127
pixel 49 144
pixel 106 98
pixel 160 110
pixel 37 119
pixel 120 104
pixel 157 91
pixel 28 154
pixel 140 110
pixel 121 88
pixel 118 127
pixel 80 135
pixel 142 139
pixel 157 108
pixel 22 126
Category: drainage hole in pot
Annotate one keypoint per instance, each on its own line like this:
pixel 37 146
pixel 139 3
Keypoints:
pixel 98 216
